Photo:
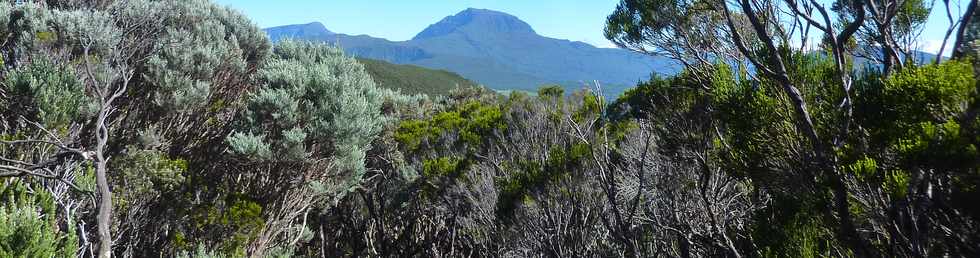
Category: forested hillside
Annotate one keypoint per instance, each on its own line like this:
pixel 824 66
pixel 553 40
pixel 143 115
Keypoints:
pixel 175 128
pixel 410 79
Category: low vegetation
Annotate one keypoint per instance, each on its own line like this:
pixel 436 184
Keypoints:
pixel 174 128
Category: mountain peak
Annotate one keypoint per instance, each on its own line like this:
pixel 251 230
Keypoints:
pixel 309 30
pixel 477 21
pixel 316 24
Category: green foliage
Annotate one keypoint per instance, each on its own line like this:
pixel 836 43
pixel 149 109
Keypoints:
pixel 928 93
pixel 29 225
pixel 461 133
pixel 239 215
pixel 44 92
pixel 645 98
pixel 194 62
pixel 473 122
pixel 935 144
pixel 191 60
pixel 864 168
pixel 819 82
pixel 634 23
pixel 250 145
pixel 140 173
pixel 153 166
pixel 23 33
pixel 412 133
pixel 793 228
pixel 529 176
pixel 914 115
pixel 440 172
pixel 673 108
pixel 756 121
pixel 894 105
pixel 315 101
pixel 410 79
pixel 441 167
pixel 552 91
pixel 45 36
pixel 591 106
pixel 482 122
pixel 89 28
pixel 896 183
pixel 911 15
pixel 201 42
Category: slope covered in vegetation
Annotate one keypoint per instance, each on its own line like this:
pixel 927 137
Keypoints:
pixel 410 79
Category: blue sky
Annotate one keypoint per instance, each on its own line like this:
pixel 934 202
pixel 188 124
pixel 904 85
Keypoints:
pixel 580 20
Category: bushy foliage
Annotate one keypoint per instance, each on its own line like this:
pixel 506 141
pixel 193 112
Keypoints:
pixel 146 173
pixel 471 122
pixel 315 101
pixel 29 226
pixel 530 177
pixel 45 93
pixel 312 120
pixel 200 42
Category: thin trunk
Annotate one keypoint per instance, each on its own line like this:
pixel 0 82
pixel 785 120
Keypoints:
pixel 848 231
pixel 888 62
pixel 105 199
pixel 949 32
pixel 965 22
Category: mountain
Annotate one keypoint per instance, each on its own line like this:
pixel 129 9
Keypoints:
pixel 497 50
pixel 309 30
pixel 413 79
pixel 920 57
pixel 480 21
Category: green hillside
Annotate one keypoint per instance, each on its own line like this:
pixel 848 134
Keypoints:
pixel 412 79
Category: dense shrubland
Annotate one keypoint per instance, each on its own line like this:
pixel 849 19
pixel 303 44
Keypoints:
pixel 173 128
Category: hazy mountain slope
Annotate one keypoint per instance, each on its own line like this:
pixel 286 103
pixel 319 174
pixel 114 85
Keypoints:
pixel 378 48
pixel 500 51
pixel 485 71
pixel 510 42
pixel 411 79
pixel 300 31
pixel 920 57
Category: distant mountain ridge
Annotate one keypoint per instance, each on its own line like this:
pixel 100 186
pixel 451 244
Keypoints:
pixel 497 50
